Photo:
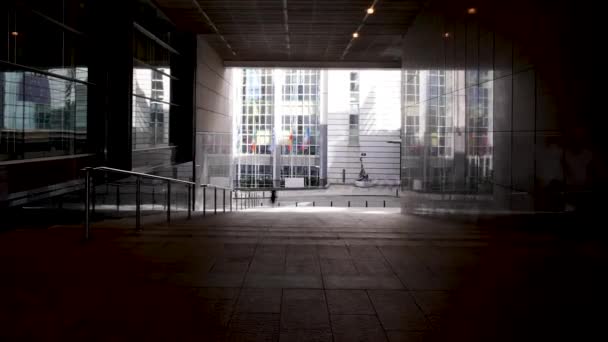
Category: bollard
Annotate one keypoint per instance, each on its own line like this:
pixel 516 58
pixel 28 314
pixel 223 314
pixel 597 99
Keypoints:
pixel 138 203
pixel 117 197
pixel 296 204
pixel 189 201
pixel 87 202
pixel 313 203
pixel 168 201
pixel 331 203
pixel 349 204
pixel 366 204
pixel 385 203
pixel 224 201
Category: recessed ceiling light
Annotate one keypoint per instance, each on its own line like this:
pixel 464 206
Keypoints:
pixel 356 35
pixel 370 10
pixel 446 35
pixel 472 10
pixel 14 33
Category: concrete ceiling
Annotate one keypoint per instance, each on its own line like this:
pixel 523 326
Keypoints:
pixel 309 32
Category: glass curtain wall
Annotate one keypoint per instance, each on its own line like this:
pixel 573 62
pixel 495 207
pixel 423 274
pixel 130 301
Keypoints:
pixel 151 91
pixel 43 80
pixel 447 135
pixel 278 127
pixel 300 118
pixel 254 166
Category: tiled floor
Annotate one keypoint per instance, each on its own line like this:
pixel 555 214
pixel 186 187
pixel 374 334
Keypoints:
pixel 344 275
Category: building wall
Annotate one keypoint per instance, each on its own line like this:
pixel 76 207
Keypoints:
pixel 379 121
pixel 214 121
pixel 542 156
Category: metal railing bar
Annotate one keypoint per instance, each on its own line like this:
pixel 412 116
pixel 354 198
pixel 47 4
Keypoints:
pixel 132 173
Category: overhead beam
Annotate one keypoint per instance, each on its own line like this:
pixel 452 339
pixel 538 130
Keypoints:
pixel 314 64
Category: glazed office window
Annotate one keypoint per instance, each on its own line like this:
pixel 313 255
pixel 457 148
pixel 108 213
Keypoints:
pixel 257 101
pixel 353 118
pixel 439 122
pixel 43 113
pixel 152 85
pixel 411 87
pixel 300 113
pixel 255 176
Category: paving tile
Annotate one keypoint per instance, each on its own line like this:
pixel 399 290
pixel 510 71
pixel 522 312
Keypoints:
pixel 284 281
pixel 278 251
pixel 238 250
pixel 306 336
pixel 338 266
pixel 213 307
pixel 333 252
pixel 207 280
pixel 304 309
pixel 365 252
pixel 231 265
pixel 362 328
pixel 300 265
pixel 432 303
pixel 420 278
pixel 406 336
pixel 361 282
pixel 259 300
pixel 302 252
pixel 349 302
pixel 372 266
pixel 397 310
pixel 267 264
pixel 254 327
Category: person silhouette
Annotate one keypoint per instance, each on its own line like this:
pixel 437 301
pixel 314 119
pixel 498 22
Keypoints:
pixel 273 196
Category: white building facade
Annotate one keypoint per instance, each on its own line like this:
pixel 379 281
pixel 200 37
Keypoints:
pixel 363 115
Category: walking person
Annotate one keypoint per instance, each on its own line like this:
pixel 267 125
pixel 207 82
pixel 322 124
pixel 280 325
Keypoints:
pixel 273 196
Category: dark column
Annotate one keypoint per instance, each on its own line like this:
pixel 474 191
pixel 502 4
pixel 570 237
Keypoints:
pixel 111 70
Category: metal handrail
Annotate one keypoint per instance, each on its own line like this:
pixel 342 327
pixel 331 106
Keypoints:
pixel 191 186
pixel 132 173
pixel 139 176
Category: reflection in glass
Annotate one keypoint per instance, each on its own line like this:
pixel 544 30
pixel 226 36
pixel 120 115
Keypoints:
pixel 447 132
pixel 41 115
pixel 151 93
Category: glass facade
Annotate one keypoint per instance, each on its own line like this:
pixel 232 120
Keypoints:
pixel 278 136
pixel 447 139
pixel 300 126
pixel 353 118
pixel 43 81
pixel 152 81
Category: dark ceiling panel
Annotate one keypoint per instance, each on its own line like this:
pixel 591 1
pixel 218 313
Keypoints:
pixel 318 30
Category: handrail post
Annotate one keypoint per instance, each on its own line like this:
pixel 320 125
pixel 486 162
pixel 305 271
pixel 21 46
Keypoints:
pixel 138 203
pixel 189 201
pixel 94 192
pixel 168 201
pixel 87 200
pixel 204 201
pixel 224 200
pixel 214 200
pixel 230 194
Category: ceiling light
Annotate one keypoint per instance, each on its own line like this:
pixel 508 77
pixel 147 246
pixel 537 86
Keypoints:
pixel 14 33
pixel 356 35
pixel 370 10
pixel 446 35
pixel 472 10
